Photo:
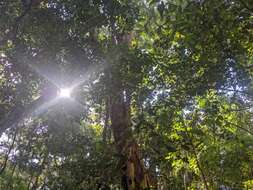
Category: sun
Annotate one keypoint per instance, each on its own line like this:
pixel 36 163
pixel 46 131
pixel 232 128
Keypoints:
pixel 65 93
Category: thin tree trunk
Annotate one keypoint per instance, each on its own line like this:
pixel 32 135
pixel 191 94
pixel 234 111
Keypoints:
pixel 203 176
pixel 35 184
pixel 8 154
pixel 201 170
pixel 9 184
pixel 106 131
pixel 30 181
pixel 194 151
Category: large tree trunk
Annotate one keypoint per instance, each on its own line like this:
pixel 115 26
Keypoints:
pixel 134 174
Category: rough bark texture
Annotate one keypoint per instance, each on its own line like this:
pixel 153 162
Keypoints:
pixel 134 174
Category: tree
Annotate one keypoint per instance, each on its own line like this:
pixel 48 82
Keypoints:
pixel 161 94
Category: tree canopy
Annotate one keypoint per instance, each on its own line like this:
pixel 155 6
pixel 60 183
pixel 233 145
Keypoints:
pixel 126 94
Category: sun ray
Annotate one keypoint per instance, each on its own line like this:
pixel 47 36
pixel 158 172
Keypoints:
pixel 45 75
pixel 44 107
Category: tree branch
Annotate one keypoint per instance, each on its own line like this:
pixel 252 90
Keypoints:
pixel 239 127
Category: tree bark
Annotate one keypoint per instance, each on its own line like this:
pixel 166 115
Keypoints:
pixel 134 174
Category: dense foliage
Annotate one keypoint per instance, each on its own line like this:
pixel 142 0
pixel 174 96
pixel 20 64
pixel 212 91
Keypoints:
pixel 161 94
